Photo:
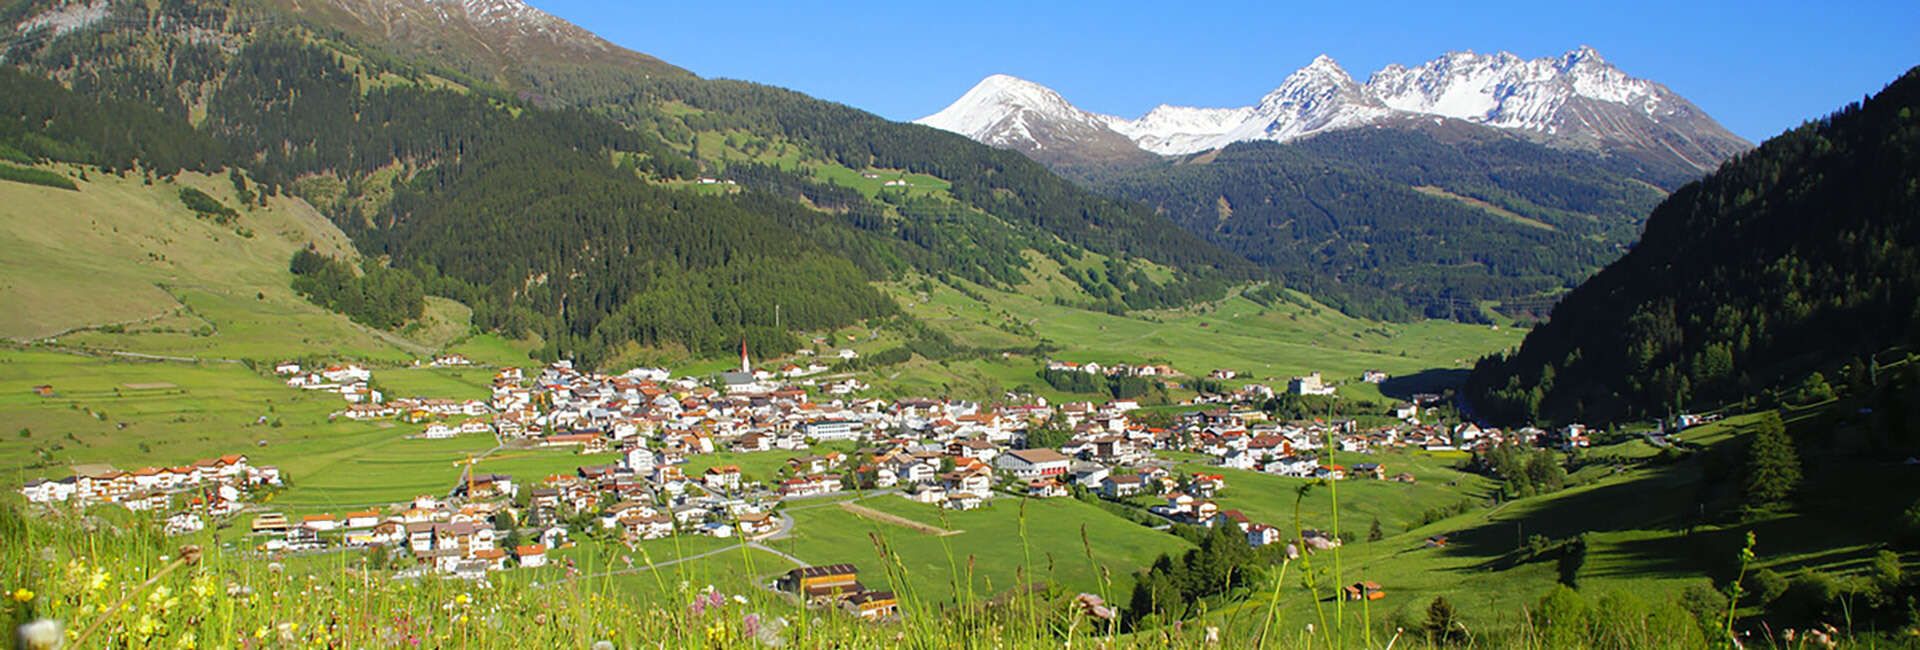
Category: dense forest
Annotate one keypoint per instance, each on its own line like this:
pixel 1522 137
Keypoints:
pixel 567 219
pixel 1797 257
pixel 1408 223
pixel 374 295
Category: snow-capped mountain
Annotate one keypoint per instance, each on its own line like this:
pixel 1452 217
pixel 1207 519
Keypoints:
pixel 1576 100
pixel 1013 113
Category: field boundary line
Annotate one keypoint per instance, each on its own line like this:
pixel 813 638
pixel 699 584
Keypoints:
pixel 903 522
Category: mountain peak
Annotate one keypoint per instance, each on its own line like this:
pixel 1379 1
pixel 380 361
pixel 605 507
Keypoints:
pixel 1582 54
pixel 1574 100
pixel 1013 113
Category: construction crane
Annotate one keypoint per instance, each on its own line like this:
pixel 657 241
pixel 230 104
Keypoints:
pixel 468 473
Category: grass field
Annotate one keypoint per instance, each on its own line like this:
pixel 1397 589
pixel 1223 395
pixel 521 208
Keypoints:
pixel 103 410
pixel 983 559
pixel 1263 343
pixel 120 265
pixel 1399 507
pixel 759 465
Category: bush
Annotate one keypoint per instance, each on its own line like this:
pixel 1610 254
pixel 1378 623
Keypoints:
pixel 1562 618
pixel 1810 597
pixel 36 177
pixel 1764 586
pixel 206 206
pixel 1708 607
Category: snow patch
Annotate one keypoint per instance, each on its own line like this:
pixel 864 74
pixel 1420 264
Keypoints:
pixel 66 17
pixel 1499 89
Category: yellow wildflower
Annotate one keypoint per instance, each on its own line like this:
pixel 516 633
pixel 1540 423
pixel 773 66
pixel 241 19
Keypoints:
pixel 22 595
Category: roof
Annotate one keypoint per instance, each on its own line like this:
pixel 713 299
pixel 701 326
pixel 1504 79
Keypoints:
pixel 1038 456
pixel 823 571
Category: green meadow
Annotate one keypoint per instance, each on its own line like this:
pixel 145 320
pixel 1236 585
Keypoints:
pixel 984 555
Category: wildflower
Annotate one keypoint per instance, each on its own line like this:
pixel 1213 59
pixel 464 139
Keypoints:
pixel 43 634
pixel 22 595
pixel 603 645
pixel 1213 635
pixel 768 633
pixel 740 599
pixel 463 599
pixel 98 580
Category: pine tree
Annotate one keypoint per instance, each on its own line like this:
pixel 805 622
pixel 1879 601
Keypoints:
pixel 1443 625
pixel 1373 532
pixel 1773 467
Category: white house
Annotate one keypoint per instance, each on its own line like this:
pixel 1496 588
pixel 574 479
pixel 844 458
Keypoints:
pixel 1029 464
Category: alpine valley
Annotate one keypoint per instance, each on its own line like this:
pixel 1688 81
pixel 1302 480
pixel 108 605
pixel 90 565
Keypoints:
pixel 449 323
pixel 1470 182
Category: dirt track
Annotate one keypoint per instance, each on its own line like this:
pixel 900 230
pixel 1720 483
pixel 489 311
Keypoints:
pixel 876 515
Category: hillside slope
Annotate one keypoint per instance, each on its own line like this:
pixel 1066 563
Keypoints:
pixel 574 202
pixel 1802 255
pixel 1418 220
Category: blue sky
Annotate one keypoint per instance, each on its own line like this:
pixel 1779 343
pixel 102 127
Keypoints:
pixel 1759 66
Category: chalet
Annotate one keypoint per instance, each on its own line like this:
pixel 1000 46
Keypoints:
pixel 1121 486
pixel 1206 486
pixel 977 481
pixel 1368 590
pixel 531 555
pixel 1369 470
pixel 872 605
pixel 49 491
pixel 978 449
pixel 963 501
pixel 807 486
pixel 754 525
pixel 319 523
pixel 184 523
pixel 1259 535
pixel 271 522
pixel 639 528
pixel 1031 464
pixel 724 477
pixel 929 494
pixel 286 368
pixel 1046 488
pixel 829 582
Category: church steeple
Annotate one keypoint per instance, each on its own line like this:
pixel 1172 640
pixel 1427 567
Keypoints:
pixel 745 366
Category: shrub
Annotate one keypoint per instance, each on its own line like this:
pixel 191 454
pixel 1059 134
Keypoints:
pixel 1562 618
pixel 1764 586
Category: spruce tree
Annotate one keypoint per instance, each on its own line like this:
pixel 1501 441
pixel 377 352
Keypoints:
pixel 1773 467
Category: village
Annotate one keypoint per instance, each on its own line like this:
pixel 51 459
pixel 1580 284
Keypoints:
pixel 951 454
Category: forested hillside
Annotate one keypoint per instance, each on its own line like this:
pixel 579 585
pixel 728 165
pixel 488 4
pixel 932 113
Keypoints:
pixel 1428 220
pixel 1795 258
pixel 562 201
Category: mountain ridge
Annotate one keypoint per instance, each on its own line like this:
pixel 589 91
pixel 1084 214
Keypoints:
pixel 1574 101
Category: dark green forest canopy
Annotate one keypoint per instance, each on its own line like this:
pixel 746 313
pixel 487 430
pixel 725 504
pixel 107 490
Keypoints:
pixel 1795 257
pixel 1340 215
